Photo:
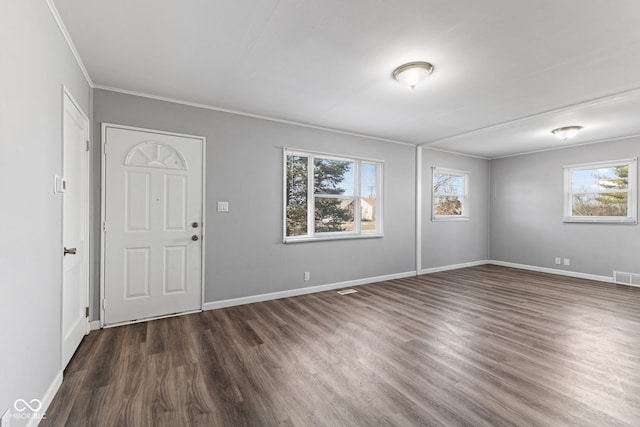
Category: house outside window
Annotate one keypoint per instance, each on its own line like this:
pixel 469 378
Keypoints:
pixel 331 197
pixel 601 192
pixel 450 189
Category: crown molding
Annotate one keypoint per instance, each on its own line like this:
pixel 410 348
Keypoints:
pixel 67 38
pixel 475 156
pixel 245 114
pixel 584 105
pixel 580 144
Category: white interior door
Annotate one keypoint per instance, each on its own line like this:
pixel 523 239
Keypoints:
pixel 152 224
pixel 75 228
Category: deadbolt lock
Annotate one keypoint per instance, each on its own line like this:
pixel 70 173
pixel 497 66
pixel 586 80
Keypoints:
pixel 194 224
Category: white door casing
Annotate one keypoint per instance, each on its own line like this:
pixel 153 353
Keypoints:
pixel 152 223
pixel 75 227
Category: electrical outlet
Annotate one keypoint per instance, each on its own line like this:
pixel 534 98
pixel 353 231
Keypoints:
pixel 567 261
pixel 223 206
pixel 307 276
pixel 558 260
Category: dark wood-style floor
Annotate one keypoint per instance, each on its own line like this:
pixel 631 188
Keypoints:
pixel 478 346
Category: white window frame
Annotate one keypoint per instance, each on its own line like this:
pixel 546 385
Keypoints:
pixel 311 233
pixel 632 193
pixel 464 197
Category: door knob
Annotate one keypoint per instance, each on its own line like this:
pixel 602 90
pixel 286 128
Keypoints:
pixel 194 238
pixel 69 251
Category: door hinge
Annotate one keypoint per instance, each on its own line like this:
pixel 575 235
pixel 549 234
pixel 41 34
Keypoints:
pixel 104 226
pixel 86 312
pixel 87 145
pixel 104 304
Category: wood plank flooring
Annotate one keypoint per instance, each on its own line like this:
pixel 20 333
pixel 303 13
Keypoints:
pixel 480 346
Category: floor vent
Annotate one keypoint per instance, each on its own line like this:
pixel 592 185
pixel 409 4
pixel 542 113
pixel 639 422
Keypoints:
pixel 626 278
pixel 347 291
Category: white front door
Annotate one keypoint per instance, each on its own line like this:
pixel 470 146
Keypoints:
pixel 152 229
pixel 75 228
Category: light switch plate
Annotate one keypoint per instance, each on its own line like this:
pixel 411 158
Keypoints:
pixel 59 184
pixel 223 206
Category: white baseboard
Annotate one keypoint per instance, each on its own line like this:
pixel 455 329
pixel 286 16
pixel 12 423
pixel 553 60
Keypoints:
pixel 303 291
pixel 553 271
pixel 47 399
pixel 94 325
pixel 453 266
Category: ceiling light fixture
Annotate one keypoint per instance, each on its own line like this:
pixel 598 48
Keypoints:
pixel 566 132
pixel 412 73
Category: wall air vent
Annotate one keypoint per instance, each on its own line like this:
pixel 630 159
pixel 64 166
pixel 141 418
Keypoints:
pixel 625 278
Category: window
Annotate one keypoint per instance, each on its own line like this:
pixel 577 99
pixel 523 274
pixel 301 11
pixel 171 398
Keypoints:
pixel 450 201
pixel 341 198
pixel 601 192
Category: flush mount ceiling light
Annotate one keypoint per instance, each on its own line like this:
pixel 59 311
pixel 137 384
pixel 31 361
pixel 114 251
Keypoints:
pixel 412 73
pixel 566 132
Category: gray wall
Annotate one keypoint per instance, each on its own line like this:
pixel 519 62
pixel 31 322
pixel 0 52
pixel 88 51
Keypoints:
pixel 36 62
pixel 446 243
pixel 527 209
pixel 245 255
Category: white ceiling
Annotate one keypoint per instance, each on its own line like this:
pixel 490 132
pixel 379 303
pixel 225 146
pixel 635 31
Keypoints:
pixel 506 71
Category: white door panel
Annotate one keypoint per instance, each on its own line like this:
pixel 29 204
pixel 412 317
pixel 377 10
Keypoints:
pixel 153 215
pixel 75 214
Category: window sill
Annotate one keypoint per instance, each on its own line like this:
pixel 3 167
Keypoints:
pixel 599 220
pixel 288 240
pixel 449 218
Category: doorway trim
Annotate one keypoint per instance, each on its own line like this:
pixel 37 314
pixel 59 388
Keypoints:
pixel 103 214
